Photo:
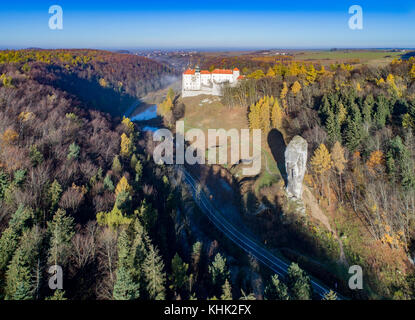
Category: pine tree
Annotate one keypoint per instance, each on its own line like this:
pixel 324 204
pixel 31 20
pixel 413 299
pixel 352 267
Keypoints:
pixel 245 296
pixel 74 151
pixel 133 161
pixel 196 255
pixel 382 111
pixel 178 275
pixel 331 295
pixel 138 171
pixel 61 230
pixel 368 109
pixel 298 282
pixel 154 275
pixel 55 192
pixel 218 271
pixel 226 291
pixel 125 288
pixel 333 127
pixel 20 272
pixel 276 290
pixel 57 295
pixel 108 184
pixel 116 165
pixel 10 237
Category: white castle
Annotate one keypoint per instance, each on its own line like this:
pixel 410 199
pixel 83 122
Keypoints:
pixel 196 81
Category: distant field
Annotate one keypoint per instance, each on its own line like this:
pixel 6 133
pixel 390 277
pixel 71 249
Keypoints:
pixel 357 56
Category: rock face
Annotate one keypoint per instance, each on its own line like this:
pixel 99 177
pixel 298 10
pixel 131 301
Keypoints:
pixel 295 163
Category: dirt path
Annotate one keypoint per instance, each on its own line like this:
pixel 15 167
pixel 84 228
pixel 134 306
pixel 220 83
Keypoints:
pixel 318 214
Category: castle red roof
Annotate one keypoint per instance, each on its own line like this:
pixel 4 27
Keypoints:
pixel 216 71
pixel 222 71
pixel 189 71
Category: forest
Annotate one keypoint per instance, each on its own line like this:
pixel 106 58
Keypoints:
pixel 79 191
pixel 358 121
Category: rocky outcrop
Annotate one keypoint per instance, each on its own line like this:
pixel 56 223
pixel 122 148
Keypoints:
pixel 295 164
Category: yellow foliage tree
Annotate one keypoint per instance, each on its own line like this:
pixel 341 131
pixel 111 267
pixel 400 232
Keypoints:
pixel 311 74
pixel 321 161
pixel 412 72
pixel 277 115
pixel 9 136
pixel 125 145
pixel 265 115
pixel 113 219
pixel 271 73
pixel 128 124
pixel 375 162
pixel 26 116
pixel 283 94
pixel 254 116
pixel 337 154
pixel 165 107
pixel 123 186
pixel 103 83
pixel 296 87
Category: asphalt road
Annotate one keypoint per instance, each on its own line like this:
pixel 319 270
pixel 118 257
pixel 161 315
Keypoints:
pixel 243 240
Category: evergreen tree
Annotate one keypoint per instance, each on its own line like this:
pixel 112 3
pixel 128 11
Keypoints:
pixel 55 192
pixel 333 128
pixel 57 295
pixel 178 275
pixel 61 230
pixel 226 291
pixel 218 271
pixel 125 288
pixel 73 152
pixel 154 275
pixel 9 240
pixel 382 111
pixel 299 285
pixel 21 270
pixel 368 109
pixel 276 290
pixel 331 295
pixel 108 184
pixel 116 165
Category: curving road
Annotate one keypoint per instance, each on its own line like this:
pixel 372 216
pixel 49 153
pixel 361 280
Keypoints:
pixel 245 241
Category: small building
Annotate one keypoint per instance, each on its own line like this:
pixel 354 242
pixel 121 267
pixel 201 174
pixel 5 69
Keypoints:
pixel 196 81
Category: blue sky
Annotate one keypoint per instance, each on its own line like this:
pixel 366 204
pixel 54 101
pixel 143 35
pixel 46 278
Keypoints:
pixel 207 24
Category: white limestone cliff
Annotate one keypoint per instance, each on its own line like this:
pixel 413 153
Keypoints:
pixel 295 164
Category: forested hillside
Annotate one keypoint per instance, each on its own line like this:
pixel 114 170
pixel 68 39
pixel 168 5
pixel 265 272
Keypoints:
pixel 359 124
pixel 78 190
pixel 101 79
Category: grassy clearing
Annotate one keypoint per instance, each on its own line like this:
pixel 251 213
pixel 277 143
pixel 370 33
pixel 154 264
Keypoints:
pixel 363 56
